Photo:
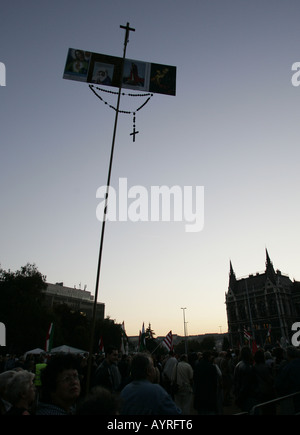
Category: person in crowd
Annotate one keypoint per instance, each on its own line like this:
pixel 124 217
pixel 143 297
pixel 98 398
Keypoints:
pixel 124 369
pixel 245 381
pixel 60 386
pixel 107 374
pixel 39 366
pixel 10 362
pixel 280 360
pixel 158 363
pixel 182 376
pixel 99 401
pixel 220 392
pixel 142 396
pixel 167 371
pixel 223 362
pixel 20 393
pixel 157 368
pixel 29 364
pixel 192 358
pixel 4 403
pixel 265 382
pixel 288 378
pixel 269 360
pixel 206 385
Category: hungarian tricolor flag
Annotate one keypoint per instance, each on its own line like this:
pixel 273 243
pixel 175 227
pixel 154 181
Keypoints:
pixel 247 335
pixel 101 345
pixel 49 338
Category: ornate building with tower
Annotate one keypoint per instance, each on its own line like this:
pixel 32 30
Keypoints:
pixel 263 307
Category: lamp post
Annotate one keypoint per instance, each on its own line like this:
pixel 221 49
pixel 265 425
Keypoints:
pixel 184 328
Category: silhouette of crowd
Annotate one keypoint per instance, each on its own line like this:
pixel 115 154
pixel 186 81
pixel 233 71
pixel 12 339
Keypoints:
pixel 206 383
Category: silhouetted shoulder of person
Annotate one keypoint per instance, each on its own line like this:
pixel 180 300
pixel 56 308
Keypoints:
pixel 99 401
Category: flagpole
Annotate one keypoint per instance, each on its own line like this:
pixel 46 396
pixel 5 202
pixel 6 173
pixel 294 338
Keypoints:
pixel 163 340
pixel 184 327
pixel 250 314
pixel 157 346
pixel 126 40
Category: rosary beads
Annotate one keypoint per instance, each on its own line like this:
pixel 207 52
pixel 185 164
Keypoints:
pixel 128 112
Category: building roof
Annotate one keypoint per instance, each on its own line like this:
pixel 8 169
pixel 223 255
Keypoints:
pixel 258 281
pixel 60 290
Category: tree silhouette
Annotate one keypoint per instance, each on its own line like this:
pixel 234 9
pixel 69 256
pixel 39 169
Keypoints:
pixel 149 338
pixel 26 316
pixel 21 308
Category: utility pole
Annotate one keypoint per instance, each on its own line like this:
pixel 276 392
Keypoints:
pixel 184 328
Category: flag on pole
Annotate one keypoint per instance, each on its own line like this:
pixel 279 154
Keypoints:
pixel 247 335
pixel 49 338
pixel 254 347
pixel 101 345
pixel 168 341
pixel 268 338
pixel 142 344
pixel 124 340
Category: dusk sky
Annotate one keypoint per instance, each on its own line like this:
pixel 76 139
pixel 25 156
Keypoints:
pixel 233 128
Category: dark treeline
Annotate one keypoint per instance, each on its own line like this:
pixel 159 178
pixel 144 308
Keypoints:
pixel 27 318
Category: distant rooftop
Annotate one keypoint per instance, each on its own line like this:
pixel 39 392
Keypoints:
pixel 76 299
pixel 60 290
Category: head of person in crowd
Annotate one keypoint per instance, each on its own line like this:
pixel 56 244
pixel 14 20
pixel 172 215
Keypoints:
pixel 142 396
pixel 142 367
pixel 20 392
pixel 111 355
pixel 279 354
pixel 246 355
pixel 259 356
pixel 183 357
pixel 292 353
pixel 99 401
pixel 207 356
pixel 60 382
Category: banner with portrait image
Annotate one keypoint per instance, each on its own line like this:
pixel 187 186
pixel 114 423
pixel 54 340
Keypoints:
pixel 106 70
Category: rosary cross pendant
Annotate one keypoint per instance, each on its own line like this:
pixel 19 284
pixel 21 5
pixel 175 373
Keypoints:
pixel 134 133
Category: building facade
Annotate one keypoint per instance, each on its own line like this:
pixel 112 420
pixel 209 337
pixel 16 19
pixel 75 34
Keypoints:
pixel 263 306
pixel 76 299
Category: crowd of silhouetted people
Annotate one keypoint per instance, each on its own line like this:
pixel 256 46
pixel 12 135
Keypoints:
pixel 203 383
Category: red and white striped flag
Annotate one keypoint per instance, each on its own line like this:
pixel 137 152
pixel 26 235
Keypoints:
pixel 168 341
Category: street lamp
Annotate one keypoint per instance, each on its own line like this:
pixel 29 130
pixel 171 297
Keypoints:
pixel 184 328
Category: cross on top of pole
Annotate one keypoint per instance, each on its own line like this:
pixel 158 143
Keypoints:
pixel 128 29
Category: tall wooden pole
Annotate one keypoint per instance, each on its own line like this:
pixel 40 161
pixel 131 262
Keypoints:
pixel 127 30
